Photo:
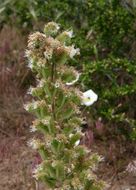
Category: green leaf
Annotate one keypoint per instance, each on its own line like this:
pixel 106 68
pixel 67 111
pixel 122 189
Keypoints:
pixel 75 138
pixel 43 153
pixel 67 114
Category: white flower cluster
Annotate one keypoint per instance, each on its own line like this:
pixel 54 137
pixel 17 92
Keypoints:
pixel 72 51
pixel 33 128
pixel 131 168
pixel 35 144
pixel 37 171
pixel 33 105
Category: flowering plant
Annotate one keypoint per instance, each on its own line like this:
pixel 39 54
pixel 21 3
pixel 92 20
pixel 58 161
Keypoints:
pixel 66 164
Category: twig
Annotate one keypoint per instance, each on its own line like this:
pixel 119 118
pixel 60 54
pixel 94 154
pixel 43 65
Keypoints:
pixel 2 131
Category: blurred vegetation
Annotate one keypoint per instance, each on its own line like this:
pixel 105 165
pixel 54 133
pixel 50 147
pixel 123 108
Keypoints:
pixel 106 34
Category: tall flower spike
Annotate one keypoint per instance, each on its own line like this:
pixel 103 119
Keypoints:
pixel 65 163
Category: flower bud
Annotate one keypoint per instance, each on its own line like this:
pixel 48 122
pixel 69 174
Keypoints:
pixel 51 29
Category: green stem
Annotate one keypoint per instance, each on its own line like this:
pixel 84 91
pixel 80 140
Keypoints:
pixel 53 81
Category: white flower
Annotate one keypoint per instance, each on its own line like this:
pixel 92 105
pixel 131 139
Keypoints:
pixel 37 171
pixel 48 53
pixel 74 81
pixel 34 144
pixel 56 25
pixel 77 142
pixel 35 104
pixel 30 60
pixel 30 90
pixel 27 53
pixel 41 83
pixel 131 168
pixel 89 97
pixel 70 135
pixel 73 51
pixel 57 85
pixel 69 170
pixel 46 121
pixel 33 128
pixel 30 65
pixel 69 33
pixel 27 106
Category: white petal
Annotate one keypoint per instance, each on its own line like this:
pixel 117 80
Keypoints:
pixel 77 142
pixel 74 51
pixel 70 33
pixel 74 81
pixel 89 97
pixel 33 128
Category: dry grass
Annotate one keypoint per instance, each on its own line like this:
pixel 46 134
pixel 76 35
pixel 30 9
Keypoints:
pixel 14 79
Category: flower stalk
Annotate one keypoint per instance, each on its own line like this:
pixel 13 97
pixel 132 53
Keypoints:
pixel 66 164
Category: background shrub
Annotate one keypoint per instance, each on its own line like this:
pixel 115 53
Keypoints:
pixel 115 81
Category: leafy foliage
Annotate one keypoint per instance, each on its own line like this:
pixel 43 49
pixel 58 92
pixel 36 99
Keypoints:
pixel 115 81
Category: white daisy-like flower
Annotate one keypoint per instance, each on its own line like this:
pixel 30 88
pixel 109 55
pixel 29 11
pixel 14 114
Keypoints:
pixel 74 81
pixel 89 97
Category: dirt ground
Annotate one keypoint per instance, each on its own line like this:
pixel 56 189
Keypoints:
pixel 17 162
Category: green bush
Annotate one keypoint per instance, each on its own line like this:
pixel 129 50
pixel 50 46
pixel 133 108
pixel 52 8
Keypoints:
pixel 114 80
pixel 109 23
